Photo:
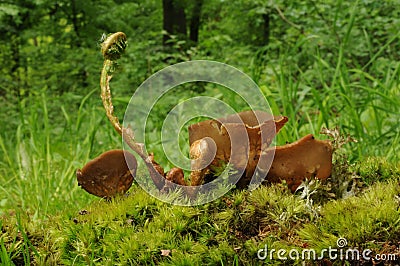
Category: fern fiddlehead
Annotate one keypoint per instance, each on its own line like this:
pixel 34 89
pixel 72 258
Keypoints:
pixel 112 48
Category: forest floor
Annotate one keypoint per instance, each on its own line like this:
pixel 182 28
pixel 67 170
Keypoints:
pixel 269 225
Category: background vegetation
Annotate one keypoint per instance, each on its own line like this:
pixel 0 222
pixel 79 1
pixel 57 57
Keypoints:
pixel 321 63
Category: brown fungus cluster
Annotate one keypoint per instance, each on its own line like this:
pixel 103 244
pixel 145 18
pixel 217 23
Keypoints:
pixel 241 140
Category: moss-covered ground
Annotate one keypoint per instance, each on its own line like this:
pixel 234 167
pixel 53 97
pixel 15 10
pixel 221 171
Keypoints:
pixel 241 228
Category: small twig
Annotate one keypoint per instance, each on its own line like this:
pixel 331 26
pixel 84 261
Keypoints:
pixel 288 21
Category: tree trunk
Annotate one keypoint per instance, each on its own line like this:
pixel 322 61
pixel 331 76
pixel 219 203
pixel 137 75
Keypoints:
pixel 75 22
pixel 266 31
pixel 195 21
pixel 174 20
pixel 180 20
pixel 168 20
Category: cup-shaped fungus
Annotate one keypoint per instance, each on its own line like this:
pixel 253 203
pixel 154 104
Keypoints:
pixel 305 158
pixel 109 174
pixel 236 139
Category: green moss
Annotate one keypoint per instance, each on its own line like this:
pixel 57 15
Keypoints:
pixel 374 169
pixel 372 216
pixel 135 229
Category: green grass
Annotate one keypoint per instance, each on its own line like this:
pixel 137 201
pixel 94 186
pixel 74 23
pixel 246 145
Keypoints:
pixel 318 86
pixel 41 153
pixel 360 104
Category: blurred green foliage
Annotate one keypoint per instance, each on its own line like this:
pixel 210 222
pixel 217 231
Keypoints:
pixel 322 63
pixel 52 45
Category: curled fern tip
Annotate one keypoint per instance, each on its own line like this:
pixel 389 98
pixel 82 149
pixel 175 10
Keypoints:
pixel 113 46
